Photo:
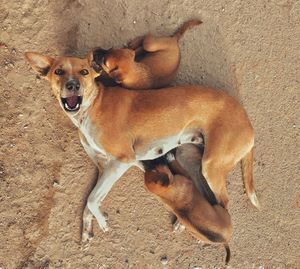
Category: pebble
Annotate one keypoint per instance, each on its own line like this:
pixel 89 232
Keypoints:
pixel 164 260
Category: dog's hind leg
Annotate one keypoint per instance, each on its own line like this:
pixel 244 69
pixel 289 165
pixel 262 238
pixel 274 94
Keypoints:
pixel 247 171
pixel 152 43
pixel 223 150
pixel 220 156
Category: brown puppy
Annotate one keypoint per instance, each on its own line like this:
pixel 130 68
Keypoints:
pixel 156 68
pixel 129 126
pixel 171 184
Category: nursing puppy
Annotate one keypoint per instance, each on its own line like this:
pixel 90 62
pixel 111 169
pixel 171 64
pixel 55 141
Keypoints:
pixel 171 184
pixel 160 58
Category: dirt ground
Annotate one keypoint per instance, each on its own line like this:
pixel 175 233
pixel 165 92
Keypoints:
pixel 249 48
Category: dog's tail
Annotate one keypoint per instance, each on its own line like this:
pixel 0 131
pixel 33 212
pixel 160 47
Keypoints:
pixel 228 254
pixel 186 26
pixel 247 172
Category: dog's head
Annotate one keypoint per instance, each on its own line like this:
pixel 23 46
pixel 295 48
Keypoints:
pixel 72 79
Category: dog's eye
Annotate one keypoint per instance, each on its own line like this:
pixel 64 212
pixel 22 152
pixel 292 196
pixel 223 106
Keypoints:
pixel 59 72
pixel 84 72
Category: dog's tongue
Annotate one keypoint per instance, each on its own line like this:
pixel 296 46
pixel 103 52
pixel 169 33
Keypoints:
pixel 72 101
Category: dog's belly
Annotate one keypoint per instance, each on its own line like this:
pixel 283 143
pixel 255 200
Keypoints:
pixel 160 147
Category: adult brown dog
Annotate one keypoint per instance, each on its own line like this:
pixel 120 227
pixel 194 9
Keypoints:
pixel 156 68
pixel 173 185
pixel 128 126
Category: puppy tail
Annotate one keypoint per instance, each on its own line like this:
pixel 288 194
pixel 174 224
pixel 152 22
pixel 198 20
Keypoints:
pixel 228 253
pixel 186 26
pixel 247 172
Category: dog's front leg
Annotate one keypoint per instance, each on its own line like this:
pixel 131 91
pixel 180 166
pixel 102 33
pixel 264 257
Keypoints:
pixel 112 172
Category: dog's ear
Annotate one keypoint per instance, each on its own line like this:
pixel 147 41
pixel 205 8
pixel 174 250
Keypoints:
pixel 95 58
pixel 40 63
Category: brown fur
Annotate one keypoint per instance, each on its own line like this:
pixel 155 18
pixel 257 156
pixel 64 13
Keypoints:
pixel 124 124
pixel 209 223
pixel 158 66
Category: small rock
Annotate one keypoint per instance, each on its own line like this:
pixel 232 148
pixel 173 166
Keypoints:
pixel 164 260
pixel 134 22
pixel 56 184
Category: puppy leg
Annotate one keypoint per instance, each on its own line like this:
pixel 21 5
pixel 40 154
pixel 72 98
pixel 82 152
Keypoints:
pixel 137 45
pixel 136 42
pixel 152 43
pixel 175 167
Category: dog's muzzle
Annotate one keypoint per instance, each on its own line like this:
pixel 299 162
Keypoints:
pixel 72 103
pixel 73 100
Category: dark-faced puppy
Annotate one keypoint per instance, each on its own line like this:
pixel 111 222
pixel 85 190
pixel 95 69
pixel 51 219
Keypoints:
pixel 157 66
pixel 175 188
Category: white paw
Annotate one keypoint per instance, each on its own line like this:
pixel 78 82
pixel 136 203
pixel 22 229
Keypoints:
pixel 102 223
pixel 86 238
pixel 170 157
pixel 104 227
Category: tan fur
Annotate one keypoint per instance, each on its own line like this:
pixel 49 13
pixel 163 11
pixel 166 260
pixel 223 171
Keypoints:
pixel 158 66
pixel 209 223
pixel 128 126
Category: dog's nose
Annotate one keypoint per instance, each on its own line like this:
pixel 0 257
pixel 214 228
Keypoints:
pixel 73 85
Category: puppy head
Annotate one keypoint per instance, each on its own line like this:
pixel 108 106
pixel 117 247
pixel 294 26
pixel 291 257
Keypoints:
pixel 117 59
pixel 157 183
pixel 71 79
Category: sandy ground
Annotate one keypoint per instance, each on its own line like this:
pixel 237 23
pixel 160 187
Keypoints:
pixel 250 48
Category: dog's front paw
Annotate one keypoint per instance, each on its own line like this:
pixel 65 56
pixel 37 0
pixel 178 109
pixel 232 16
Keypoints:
pixel 86 238
pixel 101 219
pixel 104 227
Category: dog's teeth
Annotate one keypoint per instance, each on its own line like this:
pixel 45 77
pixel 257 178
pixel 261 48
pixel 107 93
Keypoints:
pixel 77 106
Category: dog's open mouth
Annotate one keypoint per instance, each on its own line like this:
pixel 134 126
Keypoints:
pixel 71 103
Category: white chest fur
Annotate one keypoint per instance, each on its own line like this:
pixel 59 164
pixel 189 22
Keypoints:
pixel 90 132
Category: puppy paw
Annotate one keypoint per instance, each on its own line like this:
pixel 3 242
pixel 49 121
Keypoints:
pixel 178 227
pixel 170 157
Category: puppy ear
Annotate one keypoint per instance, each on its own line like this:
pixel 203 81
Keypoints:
pixel 95 58
pixel 40 63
